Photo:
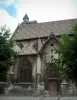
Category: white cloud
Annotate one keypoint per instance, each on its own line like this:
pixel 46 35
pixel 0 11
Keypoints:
pixel 8 20
pixel 7 2
pixel 46 10
pixel 40 10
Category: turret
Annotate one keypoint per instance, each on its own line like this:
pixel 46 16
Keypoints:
pixel 26 18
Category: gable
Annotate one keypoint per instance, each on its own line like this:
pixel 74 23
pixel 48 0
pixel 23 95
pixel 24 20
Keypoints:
pixel 49 49
pixel 51 45
pixel 51 38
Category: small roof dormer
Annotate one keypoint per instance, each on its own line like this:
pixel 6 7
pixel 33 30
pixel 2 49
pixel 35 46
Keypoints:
pixel 26 18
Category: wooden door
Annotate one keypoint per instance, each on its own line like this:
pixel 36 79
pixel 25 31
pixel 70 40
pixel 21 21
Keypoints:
pixel 53 87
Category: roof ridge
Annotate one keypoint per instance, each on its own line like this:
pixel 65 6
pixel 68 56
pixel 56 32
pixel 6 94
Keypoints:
pixel 57 20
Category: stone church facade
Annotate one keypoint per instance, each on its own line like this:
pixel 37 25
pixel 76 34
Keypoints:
pixel 36 44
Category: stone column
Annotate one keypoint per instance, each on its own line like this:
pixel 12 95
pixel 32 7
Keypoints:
pixel 38 70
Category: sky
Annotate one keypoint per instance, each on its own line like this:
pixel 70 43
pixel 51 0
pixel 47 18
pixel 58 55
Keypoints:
pixel 13 11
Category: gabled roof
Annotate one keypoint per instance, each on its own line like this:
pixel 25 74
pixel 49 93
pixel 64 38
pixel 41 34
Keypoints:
pixel 36 30
pixel 51 36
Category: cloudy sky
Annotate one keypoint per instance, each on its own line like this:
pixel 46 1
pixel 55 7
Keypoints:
pixel 12 11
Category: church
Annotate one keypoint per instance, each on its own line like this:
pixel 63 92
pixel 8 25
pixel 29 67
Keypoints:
pixel 36 45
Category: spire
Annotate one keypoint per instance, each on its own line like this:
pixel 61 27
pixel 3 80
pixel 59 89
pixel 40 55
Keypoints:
pixel 26 18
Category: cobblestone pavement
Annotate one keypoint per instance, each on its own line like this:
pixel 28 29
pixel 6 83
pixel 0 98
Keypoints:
pixel 37 98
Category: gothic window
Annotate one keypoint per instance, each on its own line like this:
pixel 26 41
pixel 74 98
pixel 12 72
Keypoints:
pixel 25 71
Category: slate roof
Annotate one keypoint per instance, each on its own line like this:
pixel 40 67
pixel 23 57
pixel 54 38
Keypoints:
pixel 36 30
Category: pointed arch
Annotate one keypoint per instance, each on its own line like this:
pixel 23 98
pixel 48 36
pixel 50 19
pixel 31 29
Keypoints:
pixel 25 70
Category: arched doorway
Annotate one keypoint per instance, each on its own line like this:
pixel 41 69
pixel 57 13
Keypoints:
pixel 51 78
pixel 25 71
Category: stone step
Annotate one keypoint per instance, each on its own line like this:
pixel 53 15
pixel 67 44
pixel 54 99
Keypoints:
pixel 20 92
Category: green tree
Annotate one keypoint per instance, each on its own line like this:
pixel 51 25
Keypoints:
pixel 7 54
pixel 67 62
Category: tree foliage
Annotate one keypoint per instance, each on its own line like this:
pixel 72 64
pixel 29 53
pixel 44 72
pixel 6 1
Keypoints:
pixel 7 54
pixel 67 61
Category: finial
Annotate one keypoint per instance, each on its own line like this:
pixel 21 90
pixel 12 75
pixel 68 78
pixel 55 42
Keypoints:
pixel 26 18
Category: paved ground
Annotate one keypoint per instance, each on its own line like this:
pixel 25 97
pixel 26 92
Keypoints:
pixel 37 98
